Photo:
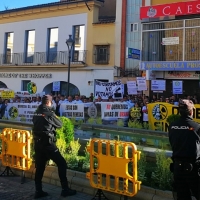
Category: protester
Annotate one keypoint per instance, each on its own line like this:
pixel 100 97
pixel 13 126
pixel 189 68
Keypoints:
pixel 77 99
pixel 135 113
pixel 4 108
pixel 145 113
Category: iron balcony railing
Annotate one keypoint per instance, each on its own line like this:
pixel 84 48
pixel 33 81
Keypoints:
pixel 43 58
pixel 133 72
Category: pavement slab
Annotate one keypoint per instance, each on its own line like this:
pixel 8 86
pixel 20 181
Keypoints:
pixel 12 189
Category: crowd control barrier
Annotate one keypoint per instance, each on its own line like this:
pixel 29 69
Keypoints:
pixel 16 148
pixel 113 167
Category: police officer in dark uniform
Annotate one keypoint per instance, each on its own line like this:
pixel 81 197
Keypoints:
pixel 45 123
pixel 184 137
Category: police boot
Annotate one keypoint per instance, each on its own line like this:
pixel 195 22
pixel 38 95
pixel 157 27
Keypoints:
pixel 39 193
pixel 66 191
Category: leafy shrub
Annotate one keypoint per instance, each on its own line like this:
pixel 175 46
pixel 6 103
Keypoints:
pixel 76 123
pixel 62 145
pixel 146 125
pixel 142 164
pixel 23 119
pixel 120 149
pixel 159 127
pixel 172 118
pixel 162 176
pixel 73 121
pixel 66 132
pixel 97 120
pixel 72 157
pixel 86 162
pixel 134 124
pixel 120 122
pixel 91 121
pixel 74 147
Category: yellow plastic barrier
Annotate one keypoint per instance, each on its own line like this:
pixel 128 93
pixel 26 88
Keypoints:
pixel 16 148
pixel 114 173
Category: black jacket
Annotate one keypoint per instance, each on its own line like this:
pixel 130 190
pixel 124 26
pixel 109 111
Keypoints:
pixel 184 137
pixel 45 123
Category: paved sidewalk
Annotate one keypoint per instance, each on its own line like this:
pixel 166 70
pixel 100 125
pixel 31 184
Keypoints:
pixel 12 189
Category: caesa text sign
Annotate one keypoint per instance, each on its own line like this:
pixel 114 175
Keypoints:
pixel 173 9
pixel 159 112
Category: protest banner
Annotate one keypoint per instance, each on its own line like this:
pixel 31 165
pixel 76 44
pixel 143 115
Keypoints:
pixel 141 83
pixel 7 94
pixel 106 89
pixel 114 110
pixel 159 112
pixel 21 111
pixel 72 110
pixel 132 87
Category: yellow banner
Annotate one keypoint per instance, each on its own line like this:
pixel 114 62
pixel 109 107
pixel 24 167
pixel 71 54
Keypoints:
pixel 159 112
pixel 7 94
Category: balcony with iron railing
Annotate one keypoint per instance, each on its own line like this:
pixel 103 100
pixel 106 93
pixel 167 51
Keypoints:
pixel 43 58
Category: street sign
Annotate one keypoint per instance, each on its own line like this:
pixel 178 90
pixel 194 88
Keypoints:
pixel 133 53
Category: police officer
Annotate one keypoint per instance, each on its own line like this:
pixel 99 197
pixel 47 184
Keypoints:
pixel 184 138
pixel 45 123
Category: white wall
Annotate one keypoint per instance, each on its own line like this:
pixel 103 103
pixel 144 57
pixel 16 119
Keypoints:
pixel 79 79
pixel 118 27
pixel 64 23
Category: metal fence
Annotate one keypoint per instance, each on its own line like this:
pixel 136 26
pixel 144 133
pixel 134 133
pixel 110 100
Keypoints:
pixel 42 58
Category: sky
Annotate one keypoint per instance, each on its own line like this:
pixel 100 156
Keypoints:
pixel 11 4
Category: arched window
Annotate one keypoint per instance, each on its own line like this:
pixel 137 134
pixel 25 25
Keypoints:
pixel 3 85
pixel 63 89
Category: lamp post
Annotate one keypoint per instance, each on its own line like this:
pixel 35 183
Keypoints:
pixel 70 44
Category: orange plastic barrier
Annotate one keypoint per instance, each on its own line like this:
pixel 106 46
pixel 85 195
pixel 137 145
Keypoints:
pixel 16 148
pixel 116 166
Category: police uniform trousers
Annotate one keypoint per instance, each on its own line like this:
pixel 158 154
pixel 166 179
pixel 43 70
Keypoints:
pixel 186 180
pixel 44 153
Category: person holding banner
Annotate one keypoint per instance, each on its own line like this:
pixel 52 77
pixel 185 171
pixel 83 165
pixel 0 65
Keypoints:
pixel 45 123
pixel 135 113
pixel 145 113
pixel 77 99
pixel 184 138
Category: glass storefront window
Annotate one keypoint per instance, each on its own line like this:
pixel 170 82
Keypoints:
pixel 192 44
pixel 163 25
pixel 154 50
pixel 174 52
pixel 188 47
pixel 192 22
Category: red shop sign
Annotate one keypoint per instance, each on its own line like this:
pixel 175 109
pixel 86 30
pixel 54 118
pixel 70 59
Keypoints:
pixel 173 9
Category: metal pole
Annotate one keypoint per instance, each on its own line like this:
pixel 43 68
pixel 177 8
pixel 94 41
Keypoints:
pixel 68 80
